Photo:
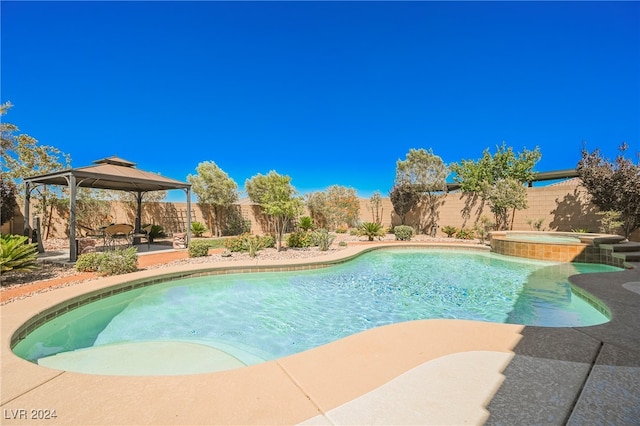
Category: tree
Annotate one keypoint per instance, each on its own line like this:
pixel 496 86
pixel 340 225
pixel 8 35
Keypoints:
pixel 214 189
pixel 477 178
pixel 317 205
pixel 404 198
pixel 427 173
pixel 474 175
pixel 334 207
pixel 503 195
pixel 8 203
pixel 375 204
pixel 613 186
pixel 343 206
pixel 22 156
pixel 277 197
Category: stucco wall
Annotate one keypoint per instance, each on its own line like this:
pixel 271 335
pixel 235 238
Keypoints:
pixel 563 207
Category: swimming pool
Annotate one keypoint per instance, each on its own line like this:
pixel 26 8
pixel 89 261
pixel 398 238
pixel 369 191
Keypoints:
pixel 261 316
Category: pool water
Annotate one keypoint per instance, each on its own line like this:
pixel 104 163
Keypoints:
pixel 262 316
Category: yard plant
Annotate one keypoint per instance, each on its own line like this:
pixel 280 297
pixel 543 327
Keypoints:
pixel 371 230
pixel 16 255
pixel 403 232
pixel 112 262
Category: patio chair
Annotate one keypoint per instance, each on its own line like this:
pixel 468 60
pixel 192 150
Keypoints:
pixel 86 231
pixel 145 233
pixel 113 234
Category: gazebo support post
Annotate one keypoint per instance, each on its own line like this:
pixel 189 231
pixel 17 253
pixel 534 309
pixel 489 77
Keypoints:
pixel 138 224
pixel 27 210
pixel 73 249
pixel 188 190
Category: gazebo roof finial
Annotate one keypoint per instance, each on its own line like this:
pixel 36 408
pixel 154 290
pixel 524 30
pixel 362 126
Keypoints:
pixel 116 161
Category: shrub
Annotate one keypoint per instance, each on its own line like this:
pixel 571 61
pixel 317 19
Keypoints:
pixel 482 229
pixel 354 232
pixel 306 223
pixel 342 243
pixel 239 243
pixel 341 230
pixel 465 234
pixel 235 244
pixel 449 230
pixel 198 229
pixel 323 239
pixel 15 255
pixel 403 232
pixel 112 262
pixel 371 229
pixel 252 244
pixel 119 261
pixel 156 231
pixel 198 248
pixel 267 241
pixel 300 239
pixel 610 221
pixel 89 262
pixel 536 224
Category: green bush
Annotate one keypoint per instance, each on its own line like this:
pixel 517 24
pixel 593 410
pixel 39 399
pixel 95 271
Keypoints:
pixel 112 262
pixel 323 239
pixel 156 231
pixel 341 231
pixel 239 243
pixel 119 261
pixel 198 248
pixel 15 255
pixel 370 230
pixel 89 262
pixel 252 244
pixel 403 232
pixel 354 232
pixel 465 234
pixel 305 223
pixel 300 239
pixel 342 243
pixel 450 230
pixel 198 229
pixel 235 244
pixel 267 241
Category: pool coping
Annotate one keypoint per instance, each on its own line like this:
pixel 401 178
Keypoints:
pixel 320 385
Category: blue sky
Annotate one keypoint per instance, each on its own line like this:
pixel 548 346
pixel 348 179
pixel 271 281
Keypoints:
pixel 325 92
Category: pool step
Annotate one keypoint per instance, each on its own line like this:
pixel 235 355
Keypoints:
pixel 621 247
pixel 628 252
pixel 628 256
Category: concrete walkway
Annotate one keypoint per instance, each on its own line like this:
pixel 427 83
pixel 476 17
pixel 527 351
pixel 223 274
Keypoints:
pixel 419 372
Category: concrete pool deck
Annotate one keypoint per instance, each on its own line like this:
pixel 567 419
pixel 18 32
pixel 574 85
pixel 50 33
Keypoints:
pixel 419 372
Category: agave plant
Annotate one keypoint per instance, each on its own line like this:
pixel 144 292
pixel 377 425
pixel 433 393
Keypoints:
pixel 371 230
pixel 323 239
pixel 15 255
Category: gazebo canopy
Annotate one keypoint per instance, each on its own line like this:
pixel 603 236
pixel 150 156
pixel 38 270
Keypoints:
pixel 109 173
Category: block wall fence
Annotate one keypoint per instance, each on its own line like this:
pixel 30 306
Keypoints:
pixel 563 207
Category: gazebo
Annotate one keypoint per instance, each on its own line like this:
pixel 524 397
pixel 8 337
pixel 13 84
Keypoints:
pixel 109 173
